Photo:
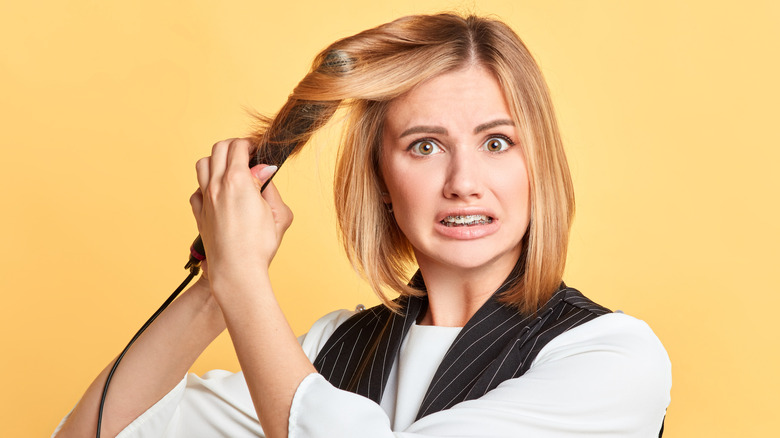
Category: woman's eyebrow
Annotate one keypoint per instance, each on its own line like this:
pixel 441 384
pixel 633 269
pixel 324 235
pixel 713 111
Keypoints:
pixel 493 124
pixel 424 129
pixel 440 130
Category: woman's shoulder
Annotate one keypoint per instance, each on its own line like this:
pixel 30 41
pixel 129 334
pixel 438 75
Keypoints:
pixel 615 351
pixel 319 333
pixel 612 332
pixel 615 336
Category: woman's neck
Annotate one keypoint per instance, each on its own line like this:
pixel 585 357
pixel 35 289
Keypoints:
pixel 455 295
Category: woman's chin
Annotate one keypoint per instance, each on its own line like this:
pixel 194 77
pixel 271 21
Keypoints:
pixel 474 259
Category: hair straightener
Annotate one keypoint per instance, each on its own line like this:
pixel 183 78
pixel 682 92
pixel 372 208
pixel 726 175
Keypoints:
pixel 288 132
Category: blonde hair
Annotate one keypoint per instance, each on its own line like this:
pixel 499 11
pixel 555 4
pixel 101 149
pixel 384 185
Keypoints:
pixel 386 62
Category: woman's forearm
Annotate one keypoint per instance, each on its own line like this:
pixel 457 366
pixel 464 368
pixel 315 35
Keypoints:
pixel 271 357
pixel 152 367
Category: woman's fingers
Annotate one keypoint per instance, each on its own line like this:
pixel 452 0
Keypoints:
pixel 202 169
pixel 262 172
pixel 196 201
pixel 282 214
pixel 235 220
pixel 229 160
pixel 218 162
pixel 226 155
pixel 238 155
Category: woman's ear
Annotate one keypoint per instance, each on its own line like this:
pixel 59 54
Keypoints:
pixel 382 187
pixel 383 192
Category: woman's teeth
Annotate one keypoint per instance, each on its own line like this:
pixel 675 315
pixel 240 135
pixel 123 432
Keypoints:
pixel 465 221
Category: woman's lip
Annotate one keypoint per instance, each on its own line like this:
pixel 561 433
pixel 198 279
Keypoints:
pixel 467 232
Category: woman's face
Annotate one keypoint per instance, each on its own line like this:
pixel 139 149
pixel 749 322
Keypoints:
pixel 454 172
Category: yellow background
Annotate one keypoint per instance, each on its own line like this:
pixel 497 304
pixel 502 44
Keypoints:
pixel 669 112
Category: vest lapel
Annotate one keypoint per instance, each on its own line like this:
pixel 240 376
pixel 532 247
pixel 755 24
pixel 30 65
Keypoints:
pixel 372 383
pixel 482 339
pixel 479 343
pixel 359 355
pixel 500 343
pixel 497 343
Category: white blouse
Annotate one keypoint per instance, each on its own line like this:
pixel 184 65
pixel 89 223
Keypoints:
pixel 609 377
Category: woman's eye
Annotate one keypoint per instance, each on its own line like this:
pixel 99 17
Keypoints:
pixel 497 144
pixel 425 147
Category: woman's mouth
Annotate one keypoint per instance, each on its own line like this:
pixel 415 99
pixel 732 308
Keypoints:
pixel 466 220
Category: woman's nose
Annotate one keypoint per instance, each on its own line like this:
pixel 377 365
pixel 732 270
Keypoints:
pixel 463 178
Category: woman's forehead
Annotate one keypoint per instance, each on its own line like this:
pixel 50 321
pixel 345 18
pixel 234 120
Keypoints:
pixel 470 96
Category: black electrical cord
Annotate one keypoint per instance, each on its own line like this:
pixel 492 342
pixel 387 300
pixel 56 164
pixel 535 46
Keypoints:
pixel 194 270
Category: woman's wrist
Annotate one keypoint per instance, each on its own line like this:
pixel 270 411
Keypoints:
pixel 238 280
pixel 232 293
pixel 206 304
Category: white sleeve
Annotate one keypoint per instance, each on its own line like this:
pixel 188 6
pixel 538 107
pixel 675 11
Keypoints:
pixel 218 403
pixel 609 377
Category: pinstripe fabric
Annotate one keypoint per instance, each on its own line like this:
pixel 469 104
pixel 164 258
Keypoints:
pixel 359 355
pixel 497 343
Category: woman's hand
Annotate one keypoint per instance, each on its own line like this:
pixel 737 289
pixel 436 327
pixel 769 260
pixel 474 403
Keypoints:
pixel 241 229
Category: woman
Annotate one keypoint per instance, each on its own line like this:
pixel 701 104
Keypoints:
pixel 452 161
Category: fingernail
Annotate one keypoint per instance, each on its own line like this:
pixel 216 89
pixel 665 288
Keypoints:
pixel 267 172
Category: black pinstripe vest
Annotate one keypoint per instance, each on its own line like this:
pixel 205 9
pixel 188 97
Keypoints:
pixel 497 343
